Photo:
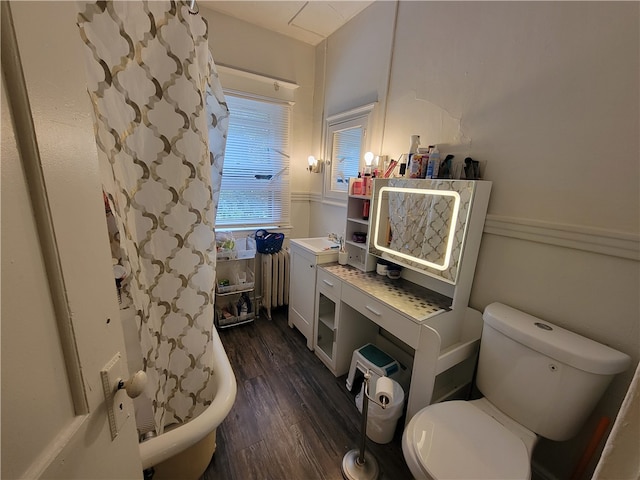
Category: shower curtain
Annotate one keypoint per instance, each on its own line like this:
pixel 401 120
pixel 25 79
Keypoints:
pixel 160 126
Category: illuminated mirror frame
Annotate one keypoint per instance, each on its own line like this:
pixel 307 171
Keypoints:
pixel 452 226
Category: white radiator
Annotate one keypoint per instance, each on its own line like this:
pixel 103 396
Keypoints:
pixel 275 280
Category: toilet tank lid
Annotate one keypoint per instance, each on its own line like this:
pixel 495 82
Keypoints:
pixel 555 342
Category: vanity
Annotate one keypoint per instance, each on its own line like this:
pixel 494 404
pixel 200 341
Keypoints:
pixel 432 229
pixel 306 254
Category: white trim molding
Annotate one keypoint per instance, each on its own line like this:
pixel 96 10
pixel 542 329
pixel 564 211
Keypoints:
pixel 288 84
pixel 308 197
pixel 259 85
pixel 589 239
pixel 595 240
pixel 300 196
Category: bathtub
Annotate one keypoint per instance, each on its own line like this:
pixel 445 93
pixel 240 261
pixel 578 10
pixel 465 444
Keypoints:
pixel 191 445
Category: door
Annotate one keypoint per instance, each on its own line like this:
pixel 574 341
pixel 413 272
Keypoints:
pixel 60 316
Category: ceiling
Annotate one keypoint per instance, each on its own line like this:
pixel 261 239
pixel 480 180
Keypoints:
pixel 310 22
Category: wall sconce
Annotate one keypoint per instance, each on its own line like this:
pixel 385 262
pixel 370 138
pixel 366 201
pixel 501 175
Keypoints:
pixel 315 164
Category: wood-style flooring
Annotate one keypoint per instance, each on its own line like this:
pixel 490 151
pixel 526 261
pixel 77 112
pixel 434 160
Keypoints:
pixel 292 418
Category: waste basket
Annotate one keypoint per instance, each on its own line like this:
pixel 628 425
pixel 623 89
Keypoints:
pixel 381 422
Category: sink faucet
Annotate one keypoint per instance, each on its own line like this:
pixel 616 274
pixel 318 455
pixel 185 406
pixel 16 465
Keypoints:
pixel 339 239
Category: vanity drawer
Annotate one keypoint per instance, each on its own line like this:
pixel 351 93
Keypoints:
pixel 402 327
pixel 328 284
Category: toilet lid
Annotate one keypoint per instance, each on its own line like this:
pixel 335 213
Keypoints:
pixel 455 440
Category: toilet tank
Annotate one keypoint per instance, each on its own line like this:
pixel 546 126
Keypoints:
pixel 543 376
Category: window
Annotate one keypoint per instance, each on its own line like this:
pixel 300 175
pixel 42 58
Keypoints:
pixel 255 188
pixel 345 156
pixel 345 142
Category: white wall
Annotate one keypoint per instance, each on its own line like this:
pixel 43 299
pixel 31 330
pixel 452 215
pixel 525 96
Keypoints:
pixel 237 44
pixel 546 94
pixel 352 70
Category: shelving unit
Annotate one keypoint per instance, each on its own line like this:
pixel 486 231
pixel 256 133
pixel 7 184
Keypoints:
pixel 236 302
pixel 359 256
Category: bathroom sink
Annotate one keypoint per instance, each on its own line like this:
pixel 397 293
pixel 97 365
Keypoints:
pixel 318 245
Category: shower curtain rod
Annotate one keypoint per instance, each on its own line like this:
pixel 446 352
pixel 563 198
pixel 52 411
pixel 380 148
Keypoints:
pixel 192 6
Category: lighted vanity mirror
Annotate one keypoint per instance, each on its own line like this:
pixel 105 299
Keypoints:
pixel 421 224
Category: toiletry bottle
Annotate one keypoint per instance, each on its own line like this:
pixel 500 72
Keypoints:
pixel 357 186
pixel 424 153
pixel 368 185
pixel 415 143
pixel 413 150
pixel 434 163
pixel 412 167
pixel 365 209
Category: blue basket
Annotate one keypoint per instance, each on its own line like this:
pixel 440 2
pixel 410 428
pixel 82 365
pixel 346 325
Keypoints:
pixel 268 242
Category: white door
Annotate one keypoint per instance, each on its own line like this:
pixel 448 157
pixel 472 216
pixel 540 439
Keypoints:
pixel 58 329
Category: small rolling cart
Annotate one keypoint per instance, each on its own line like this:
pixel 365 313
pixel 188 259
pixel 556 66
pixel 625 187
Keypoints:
pixel 235 302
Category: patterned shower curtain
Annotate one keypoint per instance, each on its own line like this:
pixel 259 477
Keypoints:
pixel 160 125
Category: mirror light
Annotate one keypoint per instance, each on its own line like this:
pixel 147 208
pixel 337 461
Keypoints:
pixel 450 236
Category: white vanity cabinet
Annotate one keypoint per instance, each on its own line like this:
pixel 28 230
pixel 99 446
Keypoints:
pixel 327 306
pixel 306 255
pixel 353 305
pixel 337 332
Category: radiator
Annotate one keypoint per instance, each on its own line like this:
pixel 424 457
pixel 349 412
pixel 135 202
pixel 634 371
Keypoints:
pixel 275 280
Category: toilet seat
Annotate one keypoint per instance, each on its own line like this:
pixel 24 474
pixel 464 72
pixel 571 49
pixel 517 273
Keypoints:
pixel 456 440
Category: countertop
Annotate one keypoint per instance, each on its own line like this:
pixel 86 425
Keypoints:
pixel 414 301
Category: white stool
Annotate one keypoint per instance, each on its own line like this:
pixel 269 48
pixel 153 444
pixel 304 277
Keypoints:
pixel 370 357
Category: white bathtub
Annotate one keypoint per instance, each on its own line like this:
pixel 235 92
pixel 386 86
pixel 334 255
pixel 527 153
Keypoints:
pixel 196 438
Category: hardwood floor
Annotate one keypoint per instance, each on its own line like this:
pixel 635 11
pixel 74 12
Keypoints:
pixel 292 418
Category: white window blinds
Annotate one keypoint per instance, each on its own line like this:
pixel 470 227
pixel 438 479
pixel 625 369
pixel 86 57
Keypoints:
pixel 347 145
pixel 346 140
pixel 255 188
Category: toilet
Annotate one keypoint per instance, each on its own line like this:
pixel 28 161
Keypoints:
pixel 537 380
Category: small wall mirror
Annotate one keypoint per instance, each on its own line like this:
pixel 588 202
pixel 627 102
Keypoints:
pixel 421 224
pixel 345 140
